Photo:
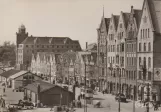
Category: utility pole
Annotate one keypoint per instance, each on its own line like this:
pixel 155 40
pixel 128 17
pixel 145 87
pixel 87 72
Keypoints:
pixel 148 99
pixel 119 88
pixel 85 110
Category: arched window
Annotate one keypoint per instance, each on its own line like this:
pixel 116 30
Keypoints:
pixel 146 33
pixel 149 46
pixel 149 62
pixel 144 46
pixel 143 33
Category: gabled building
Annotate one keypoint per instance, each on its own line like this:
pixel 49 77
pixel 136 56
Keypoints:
pixel 102 33
pixel 111 51
pixel 131 53
pixel 28 45
pixel 46 65
pixel 148 49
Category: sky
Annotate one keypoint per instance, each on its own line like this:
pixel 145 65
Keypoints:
pixel 77 19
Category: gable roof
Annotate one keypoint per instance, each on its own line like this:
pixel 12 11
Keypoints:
pixel 107 22
pixel 116 20
pixel 43 86
pixel 155 12
pixel 9 73
pixel 137 15
pixel 49 40
pixel 18 74
pixel 126 17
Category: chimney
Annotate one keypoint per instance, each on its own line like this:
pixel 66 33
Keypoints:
pixel 86 45
pixel 131 7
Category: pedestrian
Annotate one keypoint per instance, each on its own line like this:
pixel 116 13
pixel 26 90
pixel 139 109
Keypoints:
pixel 2 104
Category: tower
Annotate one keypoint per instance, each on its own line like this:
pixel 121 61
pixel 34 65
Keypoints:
pixel 21 34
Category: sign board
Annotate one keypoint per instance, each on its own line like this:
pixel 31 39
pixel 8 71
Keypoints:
pixel 157 74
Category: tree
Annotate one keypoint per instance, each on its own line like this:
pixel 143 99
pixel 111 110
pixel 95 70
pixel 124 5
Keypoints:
pixel 7 53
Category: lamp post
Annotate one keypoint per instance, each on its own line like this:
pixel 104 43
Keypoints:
pixel 148 89
pixel 119 75
pixel 111 68
pixel 86 62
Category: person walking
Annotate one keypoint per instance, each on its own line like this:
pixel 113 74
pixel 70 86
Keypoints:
pixel 2 104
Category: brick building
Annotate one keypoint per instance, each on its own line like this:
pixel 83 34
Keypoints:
pixel 28 45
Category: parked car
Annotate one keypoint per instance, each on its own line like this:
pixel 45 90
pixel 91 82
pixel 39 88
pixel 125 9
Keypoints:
pixel 122 97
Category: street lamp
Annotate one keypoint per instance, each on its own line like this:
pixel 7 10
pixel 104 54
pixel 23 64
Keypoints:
pixel 86 62
pixel 119 75
pixel 144 69
pixel 111 68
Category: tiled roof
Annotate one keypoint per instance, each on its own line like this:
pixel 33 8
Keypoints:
pixel 137 15
pixel 9 73
pixel 126 17
pixel 116 19
pixel 29 40
pixel 155 11
pixel 47 40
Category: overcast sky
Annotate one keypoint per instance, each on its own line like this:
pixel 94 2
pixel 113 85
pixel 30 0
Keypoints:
pixel 77 19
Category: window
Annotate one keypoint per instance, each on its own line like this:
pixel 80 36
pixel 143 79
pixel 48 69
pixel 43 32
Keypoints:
pixel 144 61
pixel 26 45
pixel 132 61
pixel 139 61
pixel 148 33
pixel 120 25
pixel 131 47
pixel 57 46
pixel 141 33
pixel 139 46
pixel 149 62
pixel 145 19
pixel 149 46
pixel 139 74
pixel 42 46
pixel 111 27
pixel 122 47
pixel 32 46
pixel 149 75
pixel 144 46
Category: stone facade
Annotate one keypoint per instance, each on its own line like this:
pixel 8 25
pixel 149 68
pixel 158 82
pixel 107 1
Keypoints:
pixel 132 41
